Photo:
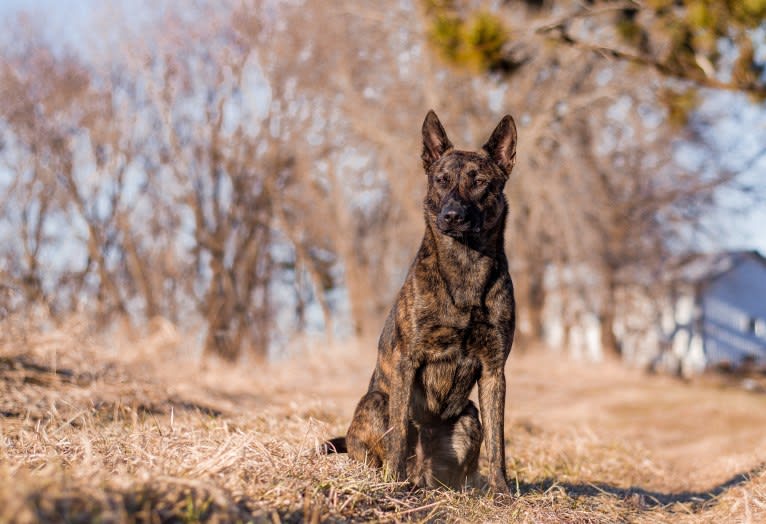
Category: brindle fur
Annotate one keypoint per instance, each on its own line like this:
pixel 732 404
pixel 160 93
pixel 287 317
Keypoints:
pixel 451 326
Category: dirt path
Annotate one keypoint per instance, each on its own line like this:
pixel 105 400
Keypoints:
pixel 695 435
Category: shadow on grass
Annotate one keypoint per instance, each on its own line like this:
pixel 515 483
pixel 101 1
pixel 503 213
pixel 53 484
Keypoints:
pixel 639 496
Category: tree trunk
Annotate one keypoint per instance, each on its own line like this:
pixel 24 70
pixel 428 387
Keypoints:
pixel 610 346
pixel 220 305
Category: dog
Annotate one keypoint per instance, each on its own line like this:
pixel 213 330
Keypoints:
pixel 451 327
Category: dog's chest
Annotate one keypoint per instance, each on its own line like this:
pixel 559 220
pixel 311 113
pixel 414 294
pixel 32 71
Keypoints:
pixel 442 387
pixel 465 281
pixel 450 366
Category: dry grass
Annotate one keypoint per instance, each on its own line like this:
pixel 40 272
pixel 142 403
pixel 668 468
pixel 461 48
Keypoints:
pixel 114 432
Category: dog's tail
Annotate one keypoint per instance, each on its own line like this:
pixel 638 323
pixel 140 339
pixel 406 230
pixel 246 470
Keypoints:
pixel 335 445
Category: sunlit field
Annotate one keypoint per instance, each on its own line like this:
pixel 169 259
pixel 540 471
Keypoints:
pixel 115 430
pixel 208 208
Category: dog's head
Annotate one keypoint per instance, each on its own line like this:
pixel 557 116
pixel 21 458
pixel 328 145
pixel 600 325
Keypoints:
pixel 465 188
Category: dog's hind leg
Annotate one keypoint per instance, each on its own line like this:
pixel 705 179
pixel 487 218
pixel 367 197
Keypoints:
pixel 365 437
pixel 447 452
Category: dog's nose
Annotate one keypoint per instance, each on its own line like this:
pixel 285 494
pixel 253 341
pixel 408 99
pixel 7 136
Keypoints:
pixel 452 217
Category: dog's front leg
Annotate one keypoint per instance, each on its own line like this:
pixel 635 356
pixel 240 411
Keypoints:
pixel 399 413
pixel 492 404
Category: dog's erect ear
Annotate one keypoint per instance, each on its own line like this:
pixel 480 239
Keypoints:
pixel 435 141
pixel 501 146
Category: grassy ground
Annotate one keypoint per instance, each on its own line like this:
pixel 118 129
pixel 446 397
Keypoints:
pixel 113 432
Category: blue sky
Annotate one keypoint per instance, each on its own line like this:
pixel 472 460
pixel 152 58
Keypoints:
pixel 740 128
pixel 63 18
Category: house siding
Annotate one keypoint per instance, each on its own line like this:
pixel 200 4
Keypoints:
pixel 733 308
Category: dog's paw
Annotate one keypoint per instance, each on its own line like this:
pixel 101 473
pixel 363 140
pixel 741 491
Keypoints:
pixel 499 488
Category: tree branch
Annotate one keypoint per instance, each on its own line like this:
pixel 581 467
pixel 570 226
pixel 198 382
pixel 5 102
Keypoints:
pixel 666 70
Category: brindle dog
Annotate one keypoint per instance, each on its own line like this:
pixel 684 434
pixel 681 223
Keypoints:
pixel 451 326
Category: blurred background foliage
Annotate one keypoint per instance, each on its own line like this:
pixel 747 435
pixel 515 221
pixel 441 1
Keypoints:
pixel 680 38
pixel 475 41
pixel 249 170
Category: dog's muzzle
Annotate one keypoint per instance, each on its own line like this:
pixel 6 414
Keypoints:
pixel 455 219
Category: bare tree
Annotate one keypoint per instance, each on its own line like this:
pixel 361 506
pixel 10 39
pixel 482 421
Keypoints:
pixel 249 168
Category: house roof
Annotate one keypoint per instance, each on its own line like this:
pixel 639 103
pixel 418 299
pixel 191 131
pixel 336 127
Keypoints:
pixel 704 267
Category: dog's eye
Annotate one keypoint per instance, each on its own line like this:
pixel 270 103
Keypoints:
pixel 480 182
pixel 442 181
